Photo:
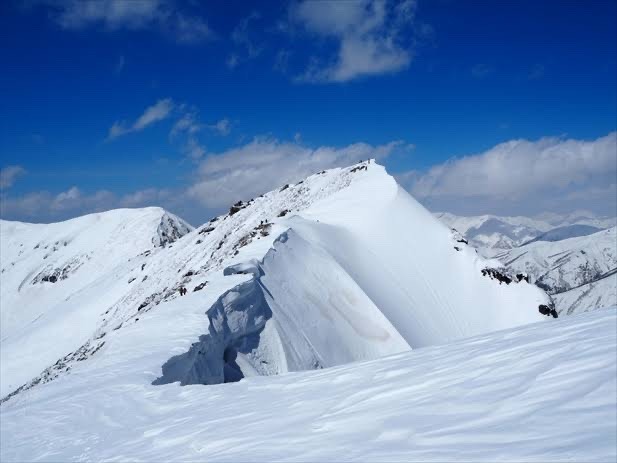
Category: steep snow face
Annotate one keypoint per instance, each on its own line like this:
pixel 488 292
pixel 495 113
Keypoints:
pixel 340 267
pixel 365 272
pixel 571 264
pixel 542 392
pixel 51 288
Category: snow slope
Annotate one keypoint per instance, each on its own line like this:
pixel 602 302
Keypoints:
pixel 52 290
pixel 598 294
pixel 571 265
pixel 542 392
pixel 341 267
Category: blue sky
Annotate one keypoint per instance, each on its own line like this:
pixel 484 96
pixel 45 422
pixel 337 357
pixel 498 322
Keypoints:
pixel 191 105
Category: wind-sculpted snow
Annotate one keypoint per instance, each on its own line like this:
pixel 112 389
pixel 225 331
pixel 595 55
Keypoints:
pixel 349 265
pixel 542 392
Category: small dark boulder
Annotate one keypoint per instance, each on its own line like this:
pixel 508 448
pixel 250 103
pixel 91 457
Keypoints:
pixel 200 286
pixel 554 313
pixel 544 309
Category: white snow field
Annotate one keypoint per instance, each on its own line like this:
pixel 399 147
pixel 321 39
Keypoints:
pixel 57 279
pixel 542 392
pixel 341 267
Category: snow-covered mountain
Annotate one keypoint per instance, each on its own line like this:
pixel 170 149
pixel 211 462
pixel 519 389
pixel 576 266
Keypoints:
pixel 585 267
pixel 492 234
pixel 57 279
pixel 340 267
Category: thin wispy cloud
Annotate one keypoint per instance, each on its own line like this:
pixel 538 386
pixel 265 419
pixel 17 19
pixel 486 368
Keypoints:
pixel 9 174
pixel 221 127
pixel 164 15
pixel 157 112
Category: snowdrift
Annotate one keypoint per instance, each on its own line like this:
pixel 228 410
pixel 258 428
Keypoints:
pixel 340 267
pixel 542 392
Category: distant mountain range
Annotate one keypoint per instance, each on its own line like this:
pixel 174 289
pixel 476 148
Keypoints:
pixel 574 257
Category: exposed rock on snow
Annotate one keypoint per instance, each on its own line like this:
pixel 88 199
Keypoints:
pixel 572 270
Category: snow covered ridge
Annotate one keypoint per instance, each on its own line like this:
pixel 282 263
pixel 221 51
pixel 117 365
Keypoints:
pixel 542 392
pixel 580 272
pixel 54 278
pixel 340 267
pixel 494 234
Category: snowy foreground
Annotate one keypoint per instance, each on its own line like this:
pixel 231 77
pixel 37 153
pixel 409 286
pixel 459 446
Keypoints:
pixel 542 392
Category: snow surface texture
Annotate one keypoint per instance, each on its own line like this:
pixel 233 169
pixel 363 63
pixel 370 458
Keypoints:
pixel 580 272
pixel 343 266
pixel 543 392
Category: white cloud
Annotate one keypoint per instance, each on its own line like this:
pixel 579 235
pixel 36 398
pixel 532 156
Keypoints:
pixel 370 34
pixel 9 174
pixel 148 196
pixel 265 163
pixel 550 172
pixel 157 112
pixel 188 29
pixel 247 46
pixel 45 206
pixel 131 14
pixel 222 127
pixel 42 205
pixel 187 124
pixel 193 149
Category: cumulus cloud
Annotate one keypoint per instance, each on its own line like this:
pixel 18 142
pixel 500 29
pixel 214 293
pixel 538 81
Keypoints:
pixel 549 172
pixel 131 14
pixel 9 174
pixel 266 163
pixel 157 112
pixel 372 36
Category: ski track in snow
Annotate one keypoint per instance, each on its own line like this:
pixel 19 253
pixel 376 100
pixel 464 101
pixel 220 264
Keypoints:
pixel 543 392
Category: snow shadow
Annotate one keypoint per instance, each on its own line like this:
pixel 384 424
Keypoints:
pixel 236 319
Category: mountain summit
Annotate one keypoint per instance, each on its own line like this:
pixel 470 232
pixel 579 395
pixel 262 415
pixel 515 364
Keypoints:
pixel 342 266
